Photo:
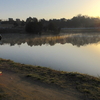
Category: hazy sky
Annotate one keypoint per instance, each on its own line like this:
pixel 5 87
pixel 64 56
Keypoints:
pixel 48 9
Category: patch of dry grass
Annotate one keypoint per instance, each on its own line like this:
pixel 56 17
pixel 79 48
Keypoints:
pixel 86 84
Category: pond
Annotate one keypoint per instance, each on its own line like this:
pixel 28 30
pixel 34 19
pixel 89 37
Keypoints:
pixel 74 52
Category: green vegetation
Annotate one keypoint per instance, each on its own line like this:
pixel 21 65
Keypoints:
pixel 88 85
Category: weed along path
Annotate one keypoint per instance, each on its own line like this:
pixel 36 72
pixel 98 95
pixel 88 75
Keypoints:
pixel 17 87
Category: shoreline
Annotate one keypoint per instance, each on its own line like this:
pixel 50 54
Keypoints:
pixel 77 30
pixel 88 85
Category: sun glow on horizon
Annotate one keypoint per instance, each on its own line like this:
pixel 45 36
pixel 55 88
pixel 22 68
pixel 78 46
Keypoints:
pixel 94 9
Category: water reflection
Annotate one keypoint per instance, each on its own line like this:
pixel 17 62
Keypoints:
pixel 68 52
pixel 75 39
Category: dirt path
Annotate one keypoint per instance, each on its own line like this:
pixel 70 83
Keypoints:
pixel 23 89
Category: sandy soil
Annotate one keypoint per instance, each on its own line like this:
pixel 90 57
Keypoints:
pixel 20 88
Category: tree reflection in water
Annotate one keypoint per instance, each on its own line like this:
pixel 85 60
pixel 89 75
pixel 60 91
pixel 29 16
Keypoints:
pixel 78 39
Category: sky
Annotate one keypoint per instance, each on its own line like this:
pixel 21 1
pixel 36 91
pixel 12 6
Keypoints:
pixel 48 9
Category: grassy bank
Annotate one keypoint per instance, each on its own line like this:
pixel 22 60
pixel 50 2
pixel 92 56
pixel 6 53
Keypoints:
pixel 88 85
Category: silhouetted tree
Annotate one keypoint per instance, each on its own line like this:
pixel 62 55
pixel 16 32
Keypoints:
pixel 51 26
pixel 28 27
pixel 29 20
pixel 22 23
pixel 33 26
pixel 40 27
pixel 15 24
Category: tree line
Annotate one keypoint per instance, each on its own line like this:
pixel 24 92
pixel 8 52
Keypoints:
pixel 79 21
pixel 33 25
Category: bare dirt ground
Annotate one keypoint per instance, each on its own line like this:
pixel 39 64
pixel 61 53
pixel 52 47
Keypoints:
pixel 21 88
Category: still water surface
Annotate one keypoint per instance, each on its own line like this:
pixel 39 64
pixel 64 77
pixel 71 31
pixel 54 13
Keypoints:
pixel 68 52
